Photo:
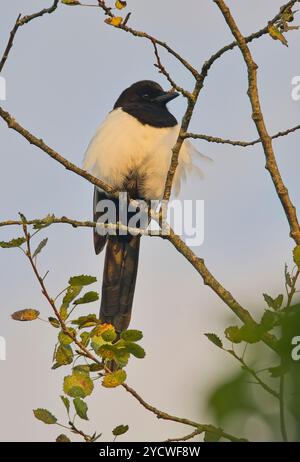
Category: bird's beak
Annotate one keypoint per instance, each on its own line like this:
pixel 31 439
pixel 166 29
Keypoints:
pixel 166 96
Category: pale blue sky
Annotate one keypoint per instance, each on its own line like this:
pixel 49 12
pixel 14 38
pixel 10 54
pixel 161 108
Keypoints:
pixel 63 75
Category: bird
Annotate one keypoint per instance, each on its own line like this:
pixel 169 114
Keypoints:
pixel 131 152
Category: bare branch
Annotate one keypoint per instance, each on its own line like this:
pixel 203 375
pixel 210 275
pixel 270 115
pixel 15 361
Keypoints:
pixel 186 437
pixel 208 64
pixel 258 118
pixel 20 22
pixel 214 139
pixel 165 416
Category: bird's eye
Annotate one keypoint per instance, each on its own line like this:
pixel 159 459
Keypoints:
pixel 146 96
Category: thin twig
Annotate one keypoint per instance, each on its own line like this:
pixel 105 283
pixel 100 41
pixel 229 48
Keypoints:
pixel 258 118
pixel 20 22
pixel 218 140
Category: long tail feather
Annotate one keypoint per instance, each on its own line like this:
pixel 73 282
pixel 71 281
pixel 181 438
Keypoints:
pixel 119 277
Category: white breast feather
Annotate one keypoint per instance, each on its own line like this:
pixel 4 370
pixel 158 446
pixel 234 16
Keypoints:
pixel 123 145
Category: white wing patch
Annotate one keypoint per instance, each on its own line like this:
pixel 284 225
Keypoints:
pixel 123 145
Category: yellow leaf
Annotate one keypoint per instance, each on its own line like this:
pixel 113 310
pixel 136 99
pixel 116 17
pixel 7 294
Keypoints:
pixel 114 379
pixel 25 315
pixel 115 21
pixel 70 2
pixel 120 4
pixel 275 33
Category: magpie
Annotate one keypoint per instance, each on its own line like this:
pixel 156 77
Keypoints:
pixel 131 151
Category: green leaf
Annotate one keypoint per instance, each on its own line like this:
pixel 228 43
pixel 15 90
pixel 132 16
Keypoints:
pixel 296 255
pixel 268 320
pixel 82 280
pixel 135 349
pixel 120 430
pixel 86 321
pixel 107 351
pixel 48 220
pixel 251 333
pixel 87 298
pixel 71 294
pixel 78 385
pixel 215 340
pixel 122 356
pixel 40 247
pixel 85 338
pixel 63 439
pixel 233 334
pixel 54 322
pixel 64 339
pixel 25 315
pixel 66 403
pixel 114 379
pixel 82 369
pixel 276 303
pixel 64 355
pixel 131 335
pixel 81 408
pixel 13 243
pixel 214 435
pixel 278 371
pixel 45 416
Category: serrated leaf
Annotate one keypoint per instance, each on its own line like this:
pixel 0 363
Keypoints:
pixel 131 335
pixel 82 280
pixel 89 297
pixel 214 339
pixel 71 294
pixel 233 334
pixel 114 379
pixel 120 430
pixel 78 385
pixel 13 243
pixel 274 303
pixel 107 351
pixel 268 320
pixel 135 349
pixel 64 355
pixel 63 439
pixel 40 247
pixel 65 339
pixel 25 315
pixel 296 255
pixel 66 403
pixel 275 33
pixel 116 21
pixel 81 408
pixel 54 322
pixel 44 416
pixel 120 4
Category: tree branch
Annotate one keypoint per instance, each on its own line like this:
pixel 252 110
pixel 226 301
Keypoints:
pixel 20 22
pixel 214 139
pixel 258 118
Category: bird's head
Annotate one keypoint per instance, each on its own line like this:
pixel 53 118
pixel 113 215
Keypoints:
pixel 145 92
